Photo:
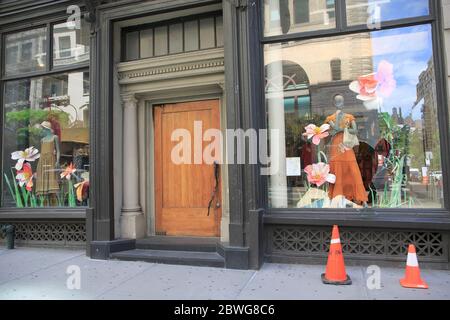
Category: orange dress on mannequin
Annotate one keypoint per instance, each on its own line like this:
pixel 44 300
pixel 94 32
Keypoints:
pixel 344 166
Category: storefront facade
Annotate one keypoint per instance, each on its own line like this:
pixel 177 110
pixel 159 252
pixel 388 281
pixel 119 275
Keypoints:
pixel 343 105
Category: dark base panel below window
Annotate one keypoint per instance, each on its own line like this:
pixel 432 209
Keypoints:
pixel 48 234
pixel 310 244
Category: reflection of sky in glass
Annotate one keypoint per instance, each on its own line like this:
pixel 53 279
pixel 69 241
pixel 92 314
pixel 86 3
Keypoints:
pixel 409 50
pixel 399 9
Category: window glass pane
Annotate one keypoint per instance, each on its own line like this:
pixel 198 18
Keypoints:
pixel 374 11
pixel 355 124
pixel 132 45
pixel 70 43
pixel 191 35
pixel 176 38
pixel 219 31
pixel 26 51
pixel 294 16
pixel 147 43
pixel 161 45
pixel 46 141
pixel 207 33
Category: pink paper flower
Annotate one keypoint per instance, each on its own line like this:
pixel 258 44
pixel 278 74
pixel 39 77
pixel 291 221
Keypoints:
pixel 319 174
pixel 382 83
pixel 366 87
pixel 385 78
pixel 317 133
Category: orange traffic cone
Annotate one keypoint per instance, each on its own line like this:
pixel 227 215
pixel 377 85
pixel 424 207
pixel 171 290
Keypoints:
pixel 412 274
pixel 335 272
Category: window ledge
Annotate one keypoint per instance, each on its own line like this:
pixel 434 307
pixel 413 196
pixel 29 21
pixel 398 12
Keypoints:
pixel 378 220
pixel 43 214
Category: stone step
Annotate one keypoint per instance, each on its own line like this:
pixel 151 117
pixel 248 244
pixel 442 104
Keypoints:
pixel 191 258
pixel 178 244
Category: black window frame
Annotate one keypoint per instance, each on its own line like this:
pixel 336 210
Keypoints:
pixel 48 71
pixel 434 19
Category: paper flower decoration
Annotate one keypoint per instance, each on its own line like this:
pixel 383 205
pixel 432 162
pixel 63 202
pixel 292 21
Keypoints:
pixel 317 133
pixel 70 170
pixel 82 189
pixel 366 87
pixel 319 174
pixel 381 83
pixel 385 78
pixel 25 177
pixel 31 154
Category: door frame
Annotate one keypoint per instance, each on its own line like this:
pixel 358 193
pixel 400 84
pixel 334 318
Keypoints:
pixel 148 151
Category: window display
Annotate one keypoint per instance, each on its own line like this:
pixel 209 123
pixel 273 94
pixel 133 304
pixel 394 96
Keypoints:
pixel 46 141
pixel 360 114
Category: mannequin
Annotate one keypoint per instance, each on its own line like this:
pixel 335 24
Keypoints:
pixel 342 159
pixel 46 172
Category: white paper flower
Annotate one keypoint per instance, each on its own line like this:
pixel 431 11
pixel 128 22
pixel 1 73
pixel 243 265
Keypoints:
pixel 31 154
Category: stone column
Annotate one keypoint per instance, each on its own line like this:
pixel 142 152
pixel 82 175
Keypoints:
pixel 277 127
pixel 132 222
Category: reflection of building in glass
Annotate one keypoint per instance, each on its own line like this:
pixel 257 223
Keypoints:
pixel 358 11
pixel 70 44
pixel 59 99
pixel 62 92
pixel 301 81
pixel 426 92
pixel 292 16
pixel 330 70
pixel 25 51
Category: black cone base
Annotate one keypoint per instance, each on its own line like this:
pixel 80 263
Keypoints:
pixel 347 282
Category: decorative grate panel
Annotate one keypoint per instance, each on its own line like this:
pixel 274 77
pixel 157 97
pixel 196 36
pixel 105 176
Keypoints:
pixel 49 233
pixel 384 244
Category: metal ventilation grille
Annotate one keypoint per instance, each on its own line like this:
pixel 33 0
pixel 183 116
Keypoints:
pixel 380 244
pixel 49 233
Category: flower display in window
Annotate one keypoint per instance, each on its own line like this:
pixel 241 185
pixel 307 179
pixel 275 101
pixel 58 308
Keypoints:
pixel 366 87
pixel 30 154
pixel 371 86
pixel 319 174
pixel 68 172
pixel 25 177
pixel 385 78
pixel 82 190
pixel 317 133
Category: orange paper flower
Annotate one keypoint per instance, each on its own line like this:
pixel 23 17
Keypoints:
pixel 25 176
pixel 70 170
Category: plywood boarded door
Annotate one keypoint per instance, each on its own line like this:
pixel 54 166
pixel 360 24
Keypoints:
pixel 183 191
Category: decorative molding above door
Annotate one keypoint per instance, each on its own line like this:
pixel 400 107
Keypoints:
pixel 187 65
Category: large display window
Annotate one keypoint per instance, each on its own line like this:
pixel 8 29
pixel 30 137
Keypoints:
pixel 45 125
pixel 354 117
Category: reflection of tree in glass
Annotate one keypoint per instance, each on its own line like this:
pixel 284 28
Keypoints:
pixel 23 123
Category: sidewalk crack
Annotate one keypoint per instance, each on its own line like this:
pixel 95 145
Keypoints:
pixel 246 284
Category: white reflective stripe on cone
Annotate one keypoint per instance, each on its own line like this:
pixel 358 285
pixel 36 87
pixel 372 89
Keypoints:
pixel 335 241
pixel 412 260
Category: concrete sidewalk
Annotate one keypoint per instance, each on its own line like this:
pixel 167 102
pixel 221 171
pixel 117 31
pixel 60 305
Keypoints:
pixel 32 273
